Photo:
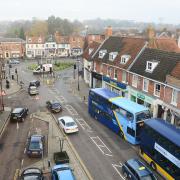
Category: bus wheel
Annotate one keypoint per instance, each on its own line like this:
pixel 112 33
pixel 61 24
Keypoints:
pixel 153 165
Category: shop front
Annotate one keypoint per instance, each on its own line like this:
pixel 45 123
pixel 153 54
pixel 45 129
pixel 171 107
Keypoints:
pixel 141 98
pixel 96 80
pixel 115 86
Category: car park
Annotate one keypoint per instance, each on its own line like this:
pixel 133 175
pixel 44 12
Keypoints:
pixel 32 173
pixel 35 146
pixel 54 106
pixel 62 172
pixel 32 90
pixel 19 114
pixel 34 83
pixel 68 124
pixel 133 169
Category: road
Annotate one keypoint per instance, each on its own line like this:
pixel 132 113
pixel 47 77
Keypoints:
pixel 102 151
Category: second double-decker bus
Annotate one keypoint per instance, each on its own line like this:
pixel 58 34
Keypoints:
pixel 160 147
pixel 121 115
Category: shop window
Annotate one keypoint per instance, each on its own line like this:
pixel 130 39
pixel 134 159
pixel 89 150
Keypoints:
pixel 115 74
pixel 130 131
pixel 124 77
pixel 133 98
pixel 177 120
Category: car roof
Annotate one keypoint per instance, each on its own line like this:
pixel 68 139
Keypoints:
pixel 33 81
pixel 54 102
pixel 64 172
pixel 31 170
pixel 17 110
pixel 139 167
pixel 33 87
pixel 67 119
pixel 36 138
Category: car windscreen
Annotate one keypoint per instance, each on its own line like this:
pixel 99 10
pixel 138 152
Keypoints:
pixel 69 124
pixel 31 177
pixel 34 145
pixel 55 105
pixel 143 115
pixel 148 177
pixel 15 114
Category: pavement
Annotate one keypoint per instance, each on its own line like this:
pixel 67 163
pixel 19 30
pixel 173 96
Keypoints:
pixel 4 115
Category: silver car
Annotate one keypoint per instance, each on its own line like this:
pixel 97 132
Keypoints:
pixel 33 90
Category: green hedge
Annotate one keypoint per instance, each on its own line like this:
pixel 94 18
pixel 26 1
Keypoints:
pixel 32 66
pixel 58 66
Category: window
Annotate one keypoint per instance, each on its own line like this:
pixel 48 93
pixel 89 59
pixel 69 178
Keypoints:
pixel 36 45
pixel 39 40
pixel 112 56
pixel 125 58
pixel 109 71
pixel 151 65
pixel 157 90
pixel 102 53
pixel 174 97
pixel 134 80
pixel 90 50
pixel 145 85
pixel 115 74
pixel 29 40
pixel 94 66
pixel 124 77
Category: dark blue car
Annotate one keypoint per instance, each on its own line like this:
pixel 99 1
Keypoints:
pixel 62 172
pixel 133 169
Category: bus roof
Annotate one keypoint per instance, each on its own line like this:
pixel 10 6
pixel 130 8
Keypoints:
pixel 106 93
pixel 128 105
pixel 166 129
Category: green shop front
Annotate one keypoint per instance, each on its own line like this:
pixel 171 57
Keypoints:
pixel 141 98
pixel 115 86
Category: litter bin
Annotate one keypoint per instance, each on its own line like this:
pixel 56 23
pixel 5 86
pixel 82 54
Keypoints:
pixel 12 77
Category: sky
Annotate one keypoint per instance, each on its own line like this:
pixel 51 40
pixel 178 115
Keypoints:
pixel 158 11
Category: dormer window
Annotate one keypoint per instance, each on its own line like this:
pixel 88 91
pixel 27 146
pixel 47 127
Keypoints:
pixel 90 50
pixel 125 59
pixel 151 65
pixel 29 40
pixel 102 53
pixel 112 56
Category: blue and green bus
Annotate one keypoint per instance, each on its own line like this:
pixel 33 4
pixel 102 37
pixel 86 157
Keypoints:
pixel 121 115
pixel 160 147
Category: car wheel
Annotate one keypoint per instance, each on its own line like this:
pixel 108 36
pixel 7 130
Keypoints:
pixel 153 165
pixel 121 134
pixel 125 175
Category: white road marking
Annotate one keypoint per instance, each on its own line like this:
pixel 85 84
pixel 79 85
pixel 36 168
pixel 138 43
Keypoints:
pixel 115 166
pixel 101 146
pixel 84 124
pixel 29 132
pixel 22 162
pixel 17 126
pixel 71 110
pixel 30 116
pixel 25 151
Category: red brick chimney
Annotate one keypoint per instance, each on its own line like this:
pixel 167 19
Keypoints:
pixel 108 31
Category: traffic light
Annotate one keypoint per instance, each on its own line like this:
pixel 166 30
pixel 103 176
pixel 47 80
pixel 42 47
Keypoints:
pixel 74 66
pixel 7 84
pixel 43 68
pixel 50 70
pixel 16 70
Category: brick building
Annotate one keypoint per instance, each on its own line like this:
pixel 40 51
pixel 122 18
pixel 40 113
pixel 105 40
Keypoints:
pixel 12 48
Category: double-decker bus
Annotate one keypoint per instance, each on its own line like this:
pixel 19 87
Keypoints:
pixel 160 147
pixel 121 115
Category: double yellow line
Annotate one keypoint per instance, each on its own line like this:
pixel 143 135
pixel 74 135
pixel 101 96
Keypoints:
pixel 16 175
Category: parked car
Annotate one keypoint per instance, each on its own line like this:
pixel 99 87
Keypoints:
pixel 35 146
pixel 133 169
pixel 32 173
pixel 14 61
pixel 34 83
pixel 54 106
pixel 62 172
pixel 32 90
pixel 19 114
pixel 68 124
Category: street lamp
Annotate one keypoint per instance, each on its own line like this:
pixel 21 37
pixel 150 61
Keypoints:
pixel 78 72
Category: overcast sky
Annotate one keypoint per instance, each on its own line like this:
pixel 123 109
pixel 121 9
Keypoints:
pixel 165 11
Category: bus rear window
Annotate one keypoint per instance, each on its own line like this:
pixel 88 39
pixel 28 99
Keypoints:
pixel 143 115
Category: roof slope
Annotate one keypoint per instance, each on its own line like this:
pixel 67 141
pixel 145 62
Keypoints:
pixel 12 40
pixel 176 71
pixel 166 63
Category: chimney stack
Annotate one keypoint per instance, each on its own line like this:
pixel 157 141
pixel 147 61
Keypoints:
pixel 108 31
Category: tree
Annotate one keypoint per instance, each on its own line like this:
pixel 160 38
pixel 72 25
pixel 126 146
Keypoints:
pixel 21 33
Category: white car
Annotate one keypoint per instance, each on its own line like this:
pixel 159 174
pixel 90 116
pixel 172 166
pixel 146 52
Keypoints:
pixel 33 90
pixel 68 124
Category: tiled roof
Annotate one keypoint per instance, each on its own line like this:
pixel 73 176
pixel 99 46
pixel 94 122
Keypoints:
pixel 176 71
pixel 165 44
pixel 11 40
pixel 124 46
pixel 167 61
pixel 62 39
pixel 94 45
